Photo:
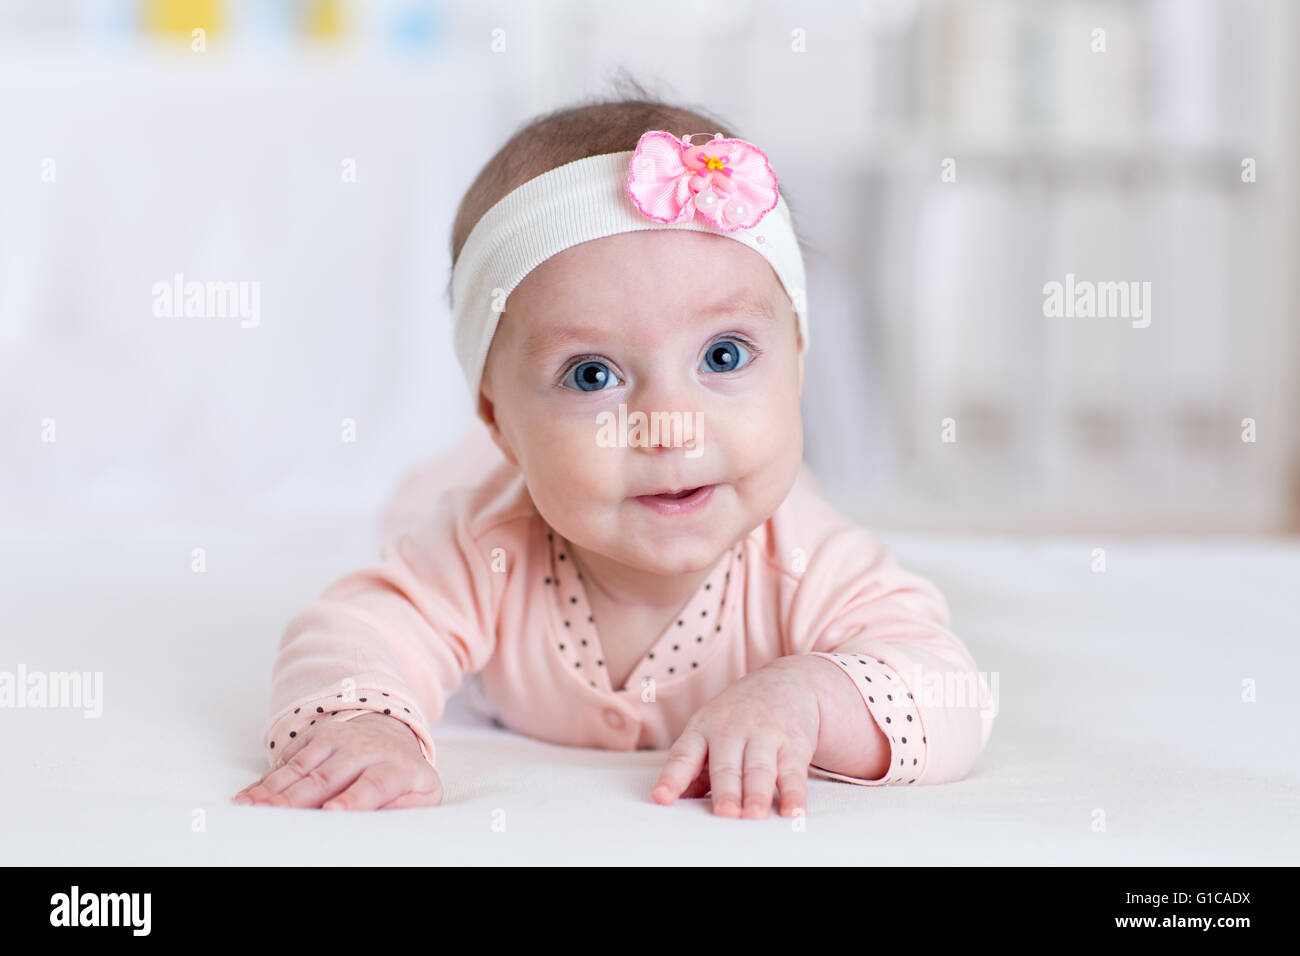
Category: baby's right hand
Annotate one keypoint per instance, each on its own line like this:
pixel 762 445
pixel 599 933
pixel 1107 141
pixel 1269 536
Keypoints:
pixel 371 762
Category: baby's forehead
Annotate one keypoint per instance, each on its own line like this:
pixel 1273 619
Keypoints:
pixel 649 271
pixel 639 290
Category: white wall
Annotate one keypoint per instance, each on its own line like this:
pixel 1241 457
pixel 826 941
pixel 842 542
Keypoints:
pixel 925 296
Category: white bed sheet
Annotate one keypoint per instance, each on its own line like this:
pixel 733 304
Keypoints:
pixel 1120 700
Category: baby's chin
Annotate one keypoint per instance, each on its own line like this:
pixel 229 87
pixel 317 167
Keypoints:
pixel 669 545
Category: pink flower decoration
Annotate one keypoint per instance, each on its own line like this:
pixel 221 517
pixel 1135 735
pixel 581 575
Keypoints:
pixel 727 182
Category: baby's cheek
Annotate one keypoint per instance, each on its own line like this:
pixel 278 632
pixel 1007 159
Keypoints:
pixel 765 449
pixel 572 470
pixel 764 435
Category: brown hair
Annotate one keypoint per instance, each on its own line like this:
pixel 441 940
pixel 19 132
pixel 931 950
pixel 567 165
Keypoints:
pixel 589 128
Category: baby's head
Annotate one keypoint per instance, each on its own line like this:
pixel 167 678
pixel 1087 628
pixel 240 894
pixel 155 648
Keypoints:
pixel 690 334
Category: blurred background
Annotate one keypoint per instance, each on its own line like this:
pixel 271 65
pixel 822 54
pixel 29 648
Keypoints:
pixel 946 161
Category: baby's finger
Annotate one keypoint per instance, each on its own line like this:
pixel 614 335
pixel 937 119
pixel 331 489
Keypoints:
pixel 699 786
pixel 289 773
pixel 792 779
pixel 683 764
pixel 760 776
pixel 333 776
pixel 725 760
pixel 291 747
pixel 377 785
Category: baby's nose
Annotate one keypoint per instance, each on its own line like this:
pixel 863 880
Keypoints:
pixel 669 422
pixel 666 431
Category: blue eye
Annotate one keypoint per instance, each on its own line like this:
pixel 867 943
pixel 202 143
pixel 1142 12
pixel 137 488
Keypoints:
pixel 725 355
pixel 591 376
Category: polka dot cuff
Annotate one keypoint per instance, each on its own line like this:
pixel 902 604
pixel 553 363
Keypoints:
pixel 894 710
pixel 301 717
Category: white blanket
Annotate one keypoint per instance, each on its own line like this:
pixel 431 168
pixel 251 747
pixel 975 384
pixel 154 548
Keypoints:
pixel 1125 734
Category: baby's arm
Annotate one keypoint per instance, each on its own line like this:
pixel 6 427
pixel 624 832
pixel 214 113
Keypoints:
pixel 916 679
pixel 388 644
pixel 876 721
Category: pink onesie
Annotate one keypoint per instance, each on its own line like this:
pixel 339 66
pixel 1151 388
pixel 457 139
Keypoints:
pixel 480 585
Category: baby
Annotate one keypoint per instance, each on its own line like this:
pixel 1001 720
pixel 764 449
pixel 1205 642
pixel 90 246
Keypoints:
pixel 645 562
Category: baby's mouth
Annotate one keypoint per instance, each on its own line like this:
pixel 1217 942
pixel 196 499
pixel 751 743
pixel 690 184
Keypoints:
pixel 679 495
pixel 682 501
pixel 676 495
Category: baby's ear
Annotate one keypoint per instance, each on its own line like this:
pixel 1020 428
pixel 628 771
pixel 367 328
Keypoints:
pixel 487 413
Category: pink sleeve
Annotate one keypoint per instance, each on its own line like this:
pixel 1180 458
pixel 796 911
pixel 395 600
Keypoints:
pixel 894 711
pixel 396 638
pixel 888 629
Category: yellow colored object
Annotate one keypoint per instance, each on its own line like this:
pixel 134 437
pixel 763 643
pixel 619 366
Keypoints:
pixel 182 16
pixel 324 18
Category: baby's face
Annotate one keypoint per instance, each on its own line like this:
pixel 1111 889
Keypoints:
pixel 661 321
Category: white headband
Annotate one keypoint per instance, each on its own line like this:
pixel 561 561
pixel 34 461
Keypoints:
pixel 577 202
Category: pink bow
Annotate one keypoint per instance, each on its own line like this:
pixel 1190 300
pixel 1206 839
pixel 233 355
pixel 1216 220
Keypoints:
pixel 728 182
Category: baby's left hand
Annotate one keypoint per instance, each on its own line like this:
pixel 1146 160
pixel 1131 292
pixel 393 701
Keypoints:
pixel 762 731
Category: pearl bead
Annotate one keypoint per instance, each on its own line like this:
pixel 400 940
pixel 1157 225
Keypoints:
pixel 705 201
pixel 736 211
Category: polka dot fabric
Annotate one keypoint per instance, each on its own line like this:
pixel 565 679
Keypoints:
pixel 303 717
pixel 894 710
pixel 679 651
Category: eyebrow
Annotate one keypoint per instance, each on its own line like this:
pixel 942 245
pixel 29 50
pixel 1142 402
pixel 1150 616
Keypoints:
pixel 556 339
